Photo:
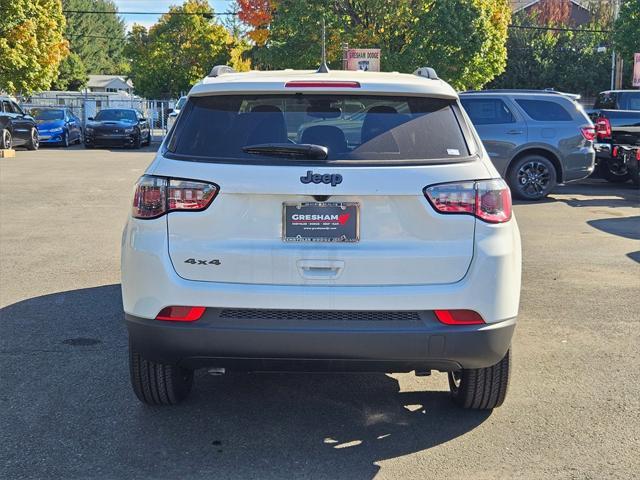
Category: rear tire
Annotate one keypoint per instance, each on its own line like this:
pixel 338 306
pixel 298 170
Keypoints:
pixel 158 383
pixel 65 140
pixel 614 175
pixel 532 177
pixel 481 388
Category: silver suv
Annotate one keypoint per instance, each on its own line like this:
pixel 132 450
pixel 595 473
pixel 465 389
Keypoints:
pixel 535 138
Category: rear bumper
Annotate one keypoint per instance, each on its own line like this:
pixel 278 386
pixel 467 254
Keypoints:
pixel 319 344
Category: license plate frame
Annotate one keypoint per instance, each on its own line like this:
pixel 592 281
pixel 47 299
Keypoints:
pixel 326 231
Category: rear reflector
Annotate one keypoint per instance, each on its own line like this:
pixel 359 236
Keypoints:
pixel 180 314
pixel 321 84
pixel 459 317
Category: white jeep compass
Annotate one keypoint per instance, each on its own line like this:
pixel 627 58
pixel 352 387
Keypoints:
pixel 299 220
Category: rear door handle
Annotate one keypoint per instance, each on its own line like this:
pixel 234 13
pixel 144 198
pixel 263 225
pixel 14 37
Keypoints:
pixel 320 269
pixel 515 132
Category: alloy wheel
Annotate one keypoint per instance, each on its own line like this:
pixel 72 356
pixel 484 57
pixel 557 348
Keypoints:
pixel 533 178
pixel 6 139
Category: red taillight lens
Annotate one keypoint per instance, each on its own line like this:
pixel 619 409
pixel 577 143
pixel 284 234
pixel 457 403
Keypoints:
pixel 489 200
pixel 589 133
pixel 321 84
pixel 188 195
pixel 155 196
pixel 638 154
pixel 150 197
pixel 603 128
pixel 459 317
pixel 181 314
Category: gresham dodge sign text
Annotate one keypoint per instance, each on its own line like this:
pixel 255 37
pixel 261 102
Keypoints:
pixel 363 59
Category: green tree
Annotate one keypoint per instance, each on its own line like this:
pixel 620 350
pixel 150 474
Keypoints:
pixel 563 60
pixel 72 74
pixel 464 40
pixel 31 44
pixel 179 50
pixel 98 39
pixel 626 35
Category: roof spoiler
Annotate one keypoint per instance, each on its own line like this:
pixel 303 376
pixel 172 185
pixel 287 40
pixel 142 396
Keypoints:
pixel 427 72
pixel 221 70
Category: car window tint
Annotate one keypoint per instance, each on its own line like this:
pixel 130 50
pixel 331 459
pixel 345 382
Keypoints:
pixel 487 111
pixel 115 115
pixel 606 101
pixel 16 108
pixel 6 106
pixel 629 100
pixel 387 128
pixel 543 110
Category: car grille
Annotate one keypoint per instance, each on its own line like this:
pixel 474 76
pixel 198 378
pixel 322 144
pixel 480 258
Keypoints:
pixel 319 315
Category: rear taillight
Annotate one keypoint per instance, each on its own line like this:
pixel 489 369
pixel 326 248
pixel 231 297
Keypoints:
pixel 638 154
pixel 589 133
pixel 459 317
pixel 180 314
pixel 488 200
pixel 603 128
pixel 155 196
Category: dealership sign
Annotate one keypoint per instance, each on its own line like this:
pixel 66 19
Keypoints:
pixel 367 59
pixel 636 70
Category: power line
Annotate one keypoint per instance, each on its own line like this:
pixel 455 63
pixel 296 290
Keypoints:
pixel 560 29
pixel 113 12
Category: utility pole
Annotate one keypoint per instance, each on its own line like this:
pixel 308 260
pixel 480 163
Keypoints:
pixel 614 59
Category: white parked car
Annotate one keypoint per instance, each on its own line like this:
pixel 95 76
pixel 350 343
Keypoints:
pixel 171 118
pixel 262 237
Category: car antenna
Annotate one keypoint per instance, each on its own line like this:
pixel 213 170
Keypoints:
pixel 323 66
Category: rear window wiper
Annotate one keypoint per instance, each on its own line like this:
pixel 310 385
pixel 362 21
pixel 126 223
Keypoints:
pixel 302 150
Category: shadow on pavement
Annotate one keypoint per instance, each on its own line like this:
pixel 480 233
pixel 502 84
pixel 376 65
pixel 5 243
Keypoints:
pixel 68 410
pixel 627 227
pixel 598 193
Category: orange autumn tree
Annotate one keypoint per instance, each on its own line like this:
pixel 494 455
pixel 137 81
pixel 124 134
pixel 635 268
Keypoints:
pixel 258 15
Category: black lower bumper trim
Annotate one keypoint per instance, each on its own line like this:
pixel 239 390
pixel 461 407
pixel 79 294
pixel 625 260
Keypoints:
pixel 267 344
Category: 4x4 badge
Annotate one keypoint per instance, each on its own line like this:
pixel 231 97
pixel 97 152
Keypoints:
pixel 194 261
pixel 328 178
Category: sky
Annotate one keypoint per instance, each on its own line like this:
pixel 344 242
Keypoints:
pixel 156 6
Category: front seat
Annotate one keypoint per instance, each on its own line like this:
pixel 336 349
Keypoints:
pixel 326 135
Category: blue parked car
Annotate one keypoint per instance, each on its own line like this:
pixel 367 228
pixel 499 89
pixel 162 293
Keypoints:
pixel 57 126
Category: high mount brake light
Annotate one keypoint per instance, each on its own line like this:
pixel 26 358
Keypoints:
pixel 321 84
pixel 180 314
pixel 488 200
pixel 603 128
pixel 459 317
pixel 155 196
pixel 588 132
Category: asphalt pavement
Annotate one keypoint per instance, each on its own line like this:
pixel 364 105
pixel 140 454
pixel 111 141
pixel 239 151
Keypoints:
pixel 67 410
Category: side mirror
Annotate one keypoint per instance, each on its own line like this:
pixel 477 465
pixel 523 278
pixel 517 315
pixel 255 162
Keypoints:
pixel 142 119
pixel 169 110
pixel 90 118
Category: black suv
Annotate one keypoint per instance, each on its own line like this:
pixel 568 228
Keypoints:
pixel 16 127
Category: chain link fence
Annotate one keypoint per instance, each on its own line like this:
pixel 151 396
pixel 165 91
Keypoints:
pixel 86 106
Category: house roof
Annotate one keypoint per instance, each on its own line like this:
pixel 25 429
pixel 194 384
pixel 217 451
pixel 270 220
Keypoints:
pixel 112 81
pixel 517 5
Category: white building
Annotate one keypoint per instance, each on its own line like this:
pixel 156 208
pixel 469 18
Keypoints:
pixel 109 84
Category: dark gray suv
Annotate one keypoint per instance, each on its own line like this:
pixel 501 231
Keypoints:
pixel 536 139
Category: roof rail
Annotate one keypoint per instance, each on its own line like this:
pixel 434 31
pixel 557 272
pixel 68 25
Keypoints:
pixel 427 72
pixel 573 96
pixel 221 70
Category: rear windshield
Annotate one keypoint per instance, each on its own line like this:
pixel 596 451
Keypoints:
pixel 361 129
pixel 629 100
